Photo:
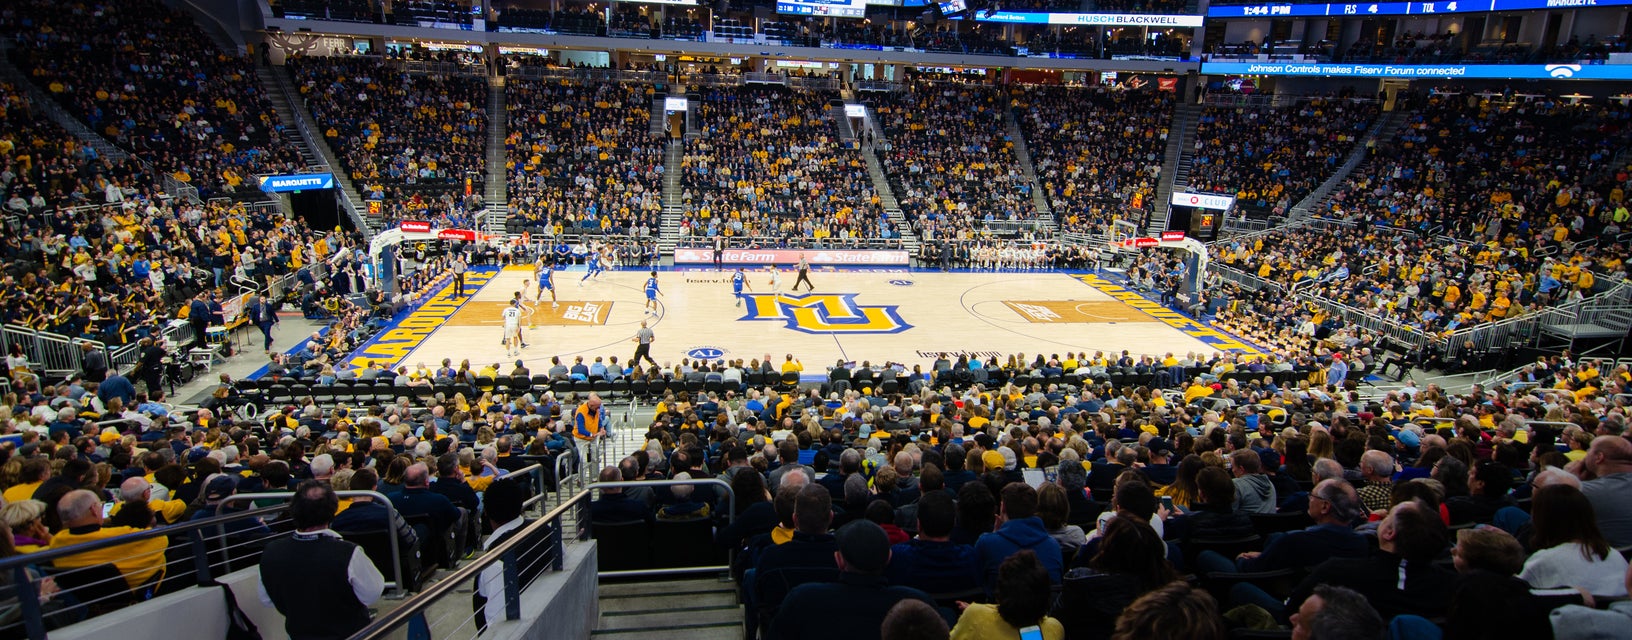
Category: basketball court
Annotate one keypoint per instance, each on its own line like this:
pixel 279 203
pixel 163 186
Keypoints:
pixel 856 315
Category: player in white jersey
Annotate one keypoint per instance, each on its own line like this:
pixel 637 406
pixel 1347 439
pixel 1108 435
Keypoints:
pixel 512 328
pixel 776 279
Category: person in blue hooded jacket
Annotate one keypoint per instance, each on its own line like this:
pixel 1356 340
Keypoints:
pixel 1018 527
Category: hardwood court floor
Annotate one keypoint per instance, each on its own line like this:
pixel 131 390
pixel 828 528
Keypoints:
pixel 852 315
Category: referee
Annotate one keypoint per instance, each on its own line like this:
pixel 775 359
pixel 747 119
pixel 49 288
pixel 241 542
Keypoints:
pixel 459 268
pixel 804 274
pixel 643 348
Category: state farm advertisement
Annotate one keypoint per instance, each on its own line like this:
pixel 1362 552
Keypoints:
pixel 851 257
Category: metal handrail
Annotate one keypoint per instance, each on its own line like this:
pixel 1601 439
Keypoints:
pixel 391 517
pixel 416 605
pixel 731 516
pixel 52 553
pixel 537 471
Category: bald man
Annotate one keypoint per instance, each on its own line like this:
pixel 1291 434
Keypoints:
pixel 1607 474
pixel 138 488
pixel 81 514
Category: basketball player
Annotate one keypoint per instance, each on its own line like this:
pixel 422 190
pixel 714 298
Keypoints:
pixel 512 329
pixel 651 294
pixel 804 274
pixel 738 281
pixel 776 279
pixel 546 280
pixel 596 264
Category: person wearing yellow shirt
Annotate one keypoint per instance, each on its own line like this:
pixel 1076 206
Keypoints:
pixel 1453 295
pixel 81 513
pixel 34 473
pixel 1196 390
pixel 792 366
pixel 168 511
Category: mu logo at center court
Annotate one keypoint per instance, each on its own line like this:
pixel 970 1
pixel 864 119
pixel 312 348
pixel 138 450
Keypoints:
pixel 824 313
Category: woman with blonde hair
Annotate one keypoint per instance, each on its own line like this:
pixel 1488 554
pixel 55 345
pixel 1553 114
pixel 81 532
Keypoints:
pixel 26 519
pixel 1321 444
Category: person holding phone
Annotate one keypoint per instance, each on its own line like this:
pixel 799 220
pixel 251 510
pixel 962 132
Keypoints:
pixel 1023 595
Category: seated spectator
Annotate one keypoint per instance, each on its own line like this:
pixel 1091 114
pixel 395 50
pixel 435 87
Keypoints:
pixel 914 620
pixel 1023 595
pixel 216 490
pixel 367 515
pixel 417 499
pixel 810 545
pixel 1399 579
pixel 1570 550
pixel 308 575
pixel 1173 611
pixel 1018 528
pixel 1213 517
pixel 1254 492
pixel 26 520
pixel 683 506
pixel 1336 612
pixel 1054 507
pixel 1606 473
pixel 931 561
pixel 450 483
pixel 1130 561
pixel 1492 602
pixel 1333 505
pixel 1488 485
pixel 141 562
pixel 855 605
pixel 614 505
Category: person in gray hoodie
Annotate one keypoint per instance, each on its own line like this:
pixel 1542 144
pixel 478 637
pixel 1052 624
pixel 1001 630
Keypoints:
pixel 1254 491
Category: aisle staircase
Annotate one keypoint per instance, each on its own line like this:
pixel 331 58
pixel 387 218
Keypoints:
pixel 1022 154
pixel 881 183
pixel 496 194
pixel 286 115
pixel 277 82
pixel 1181 149
pixel 1385 128
pixel 660 118
pixel 673 209
pixel 699 608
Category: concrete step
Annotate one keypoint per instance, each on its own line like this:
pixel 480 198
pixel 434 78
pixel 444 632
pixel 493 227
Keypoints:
pixel 674 632
pixel 668 602
pixel 694 586
pixel 723 617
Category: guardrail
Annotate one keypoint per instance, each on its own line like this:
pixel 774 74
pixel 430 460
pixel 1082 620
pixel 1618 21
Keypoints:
pixel 1237 276
pixel 48 353
pixel 391 516
pixel 543 531
pixel 196 559
pixel 731 516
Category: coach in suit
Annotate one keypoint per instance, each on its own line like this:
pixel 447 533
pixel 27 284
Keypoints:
pixel 264 316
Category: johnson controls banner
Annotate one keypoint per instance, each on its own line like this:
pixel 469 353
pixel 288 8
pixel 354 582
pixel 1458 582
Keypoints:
pixel 1090 19
pixel 835 257
pixel 1491 71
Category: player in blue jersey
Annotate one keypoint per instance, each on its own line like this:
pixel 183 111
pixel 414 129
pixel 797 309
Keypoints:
pixel 738 281
pixel 651 294
pixel 594 263
pixel 546 280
